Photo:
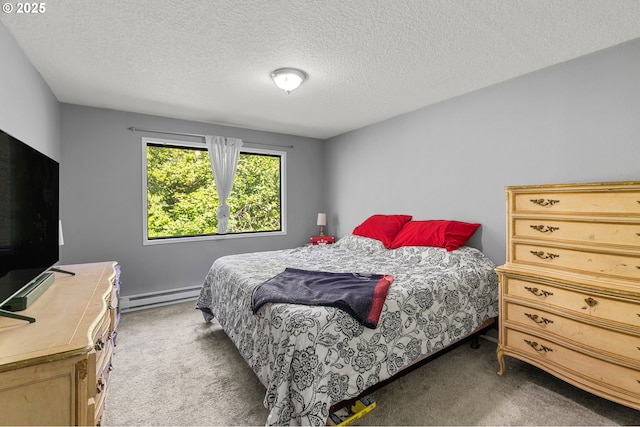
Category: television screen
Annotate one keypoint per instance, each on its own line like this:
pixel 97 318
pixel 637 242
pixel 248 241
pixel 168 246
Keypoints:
pixel 29 194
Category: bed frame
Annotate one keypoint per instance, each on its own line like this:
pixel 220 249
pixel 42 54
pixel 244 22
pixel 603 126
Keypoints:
pixel 474 342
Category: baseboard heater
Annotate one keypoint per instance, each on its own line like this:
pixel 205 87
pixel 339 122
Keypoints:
pixel 157 299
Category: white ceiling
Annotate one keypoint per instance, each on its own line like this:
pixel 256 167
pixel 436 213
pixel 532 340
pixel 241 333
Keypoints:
pixel 367 60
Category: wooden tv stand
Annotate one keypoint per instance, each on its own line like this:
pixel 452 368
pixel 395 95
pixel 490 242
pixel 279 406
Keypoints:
pixel 56 371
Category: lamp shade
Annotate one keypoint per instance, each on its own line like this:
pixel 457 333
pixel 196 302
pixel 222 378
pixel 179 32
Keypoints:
pixel 322 219
pixel 288 79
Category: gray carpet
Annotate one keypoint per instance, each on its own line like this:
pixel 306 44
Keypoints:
pixel 172 368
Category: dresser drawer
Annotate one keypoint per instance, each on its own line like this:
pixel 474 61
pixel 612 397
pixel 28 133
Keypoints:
pixel 583 302
pixel 615 265
pixel 604 233
pixel 114 302
pixel 99 415
pixel 610 202
pixel 102 380
pixel 102 385
pixel 114 315
pixel 101 338
pixel 606 377
pixel 584 334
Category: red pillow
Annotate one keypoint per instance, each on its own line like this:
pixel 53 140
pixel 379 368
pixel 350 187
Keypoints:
pixel 382 227
pixel 440 233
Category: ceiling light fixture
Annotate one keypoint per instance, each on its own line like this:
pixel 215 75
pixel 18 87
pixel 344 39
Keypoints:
pixel 288 79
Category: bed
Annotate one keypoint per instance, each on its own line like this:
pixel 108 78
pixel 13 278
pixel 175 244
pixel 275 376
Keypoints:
pixel 312 357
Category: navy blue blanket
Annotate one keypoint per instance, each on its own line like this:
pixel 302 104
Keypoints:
pixel 360 295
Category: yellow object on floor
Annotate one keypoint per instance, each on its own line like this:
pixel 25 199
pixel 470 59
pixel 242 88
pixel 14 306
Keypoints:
pixel 346 416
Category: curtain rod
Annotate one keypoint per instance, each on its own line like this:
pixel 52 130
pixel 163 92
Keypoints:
pixel 198 135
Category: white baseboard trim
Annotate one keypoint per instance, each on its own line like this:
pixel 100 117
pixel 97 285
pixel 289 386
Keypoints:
pixel 157 299
pixel 488 338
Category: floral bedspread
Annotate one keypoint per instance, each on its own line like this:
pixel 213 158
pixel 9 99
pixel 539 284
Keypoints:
pixel 310 357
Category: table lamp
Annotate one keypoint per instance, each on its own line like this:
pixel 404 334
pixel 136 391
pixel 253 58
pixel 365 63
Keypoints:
pixel 322 221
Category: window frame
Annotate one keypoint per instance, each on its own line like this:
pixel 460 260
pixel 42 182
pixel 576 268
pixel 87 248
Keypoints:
pixel 195 144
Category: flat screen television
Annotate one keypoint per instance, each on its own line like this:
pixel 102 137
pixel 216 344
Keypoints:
pixel 29 200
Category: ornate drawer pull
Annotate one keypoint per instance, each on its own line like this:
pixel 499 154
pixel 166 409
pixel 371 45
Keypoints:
pixel 543 202
pixel 543 255
pixel 534 345
pixel 540 293
pixel 535 318
pixel 100 385
pixel 591 302
pixel 99 345
pixel 543 229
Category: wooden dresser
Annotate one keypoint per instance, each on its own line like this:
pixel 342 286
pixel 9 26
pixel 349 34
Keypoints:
pixel 570 289
pixel 56 371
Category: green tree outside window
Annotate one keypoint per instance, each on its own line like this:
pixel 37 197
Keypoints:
pixel 182 199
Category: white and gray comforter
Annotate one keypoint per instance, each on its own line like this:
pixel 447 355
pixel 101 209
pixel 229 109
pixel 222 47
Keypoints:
pixel 310 357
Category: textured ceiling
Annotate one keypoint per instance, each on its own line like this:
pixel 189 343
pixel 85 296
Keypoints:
pixel 367 60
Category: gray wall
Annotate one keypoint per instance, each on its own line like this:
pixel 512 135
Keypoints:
pixel 28 109
pixel 101 180
pixel 577 121
pixel 101 198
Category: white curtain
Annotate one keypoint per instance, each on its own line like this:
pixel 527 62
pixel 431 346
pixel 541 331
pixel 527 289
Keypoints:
pixel 224 161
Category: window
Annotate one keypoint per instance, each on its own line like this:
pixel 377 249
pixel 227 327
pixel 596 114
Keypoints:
pixel 181 200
